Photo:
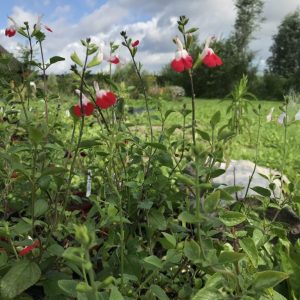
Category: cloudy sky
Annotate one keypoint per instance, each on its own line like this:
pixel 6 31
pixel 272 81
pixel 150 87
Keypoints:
pixel 151 21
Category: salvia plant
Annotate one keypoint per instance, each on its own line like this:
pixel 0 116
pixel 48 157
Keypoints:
pixel 92 208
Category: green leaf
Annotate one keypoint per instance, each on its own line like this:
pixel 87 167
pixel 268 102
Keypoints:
pixel 83 287
pixel 22 32
pixel 53 171
pixel 211 202
pixel 157 220
pixel 157 146
pixel 215 119
pixel 92 50
pixel 204 135
pixel 192 30
pixel 158 292
pixel 217 173
pixel 115 294
pixel 225 135
pixel 261 191
pixel 76 59
pixel 170 238
pixel 55 59
pixel 19 278
pixel 186 179
pixel 85 144
pixel 3 259
pixel 187 217
pixel 173 256
pixel 232 218
pixel 228 257
pixel 82 296
pixel 35 135
pixel 268 279
pixel 249 247
pixel 68 287
pixel 233 189
pixel 168 112
pixel 94 62
pixel 153 261
pixel 207 294
pixel 225 195
pixel 192 251
pixel 40 207
pixel 171 129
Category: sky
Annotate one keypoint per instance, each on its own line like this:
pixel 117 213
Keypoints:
pixel 153 22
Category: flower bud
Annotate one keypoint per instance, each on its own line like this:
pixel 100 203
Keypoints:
pixel 82 235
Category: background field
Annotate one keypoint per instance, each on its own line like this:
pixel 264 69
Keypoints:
pixel 244 145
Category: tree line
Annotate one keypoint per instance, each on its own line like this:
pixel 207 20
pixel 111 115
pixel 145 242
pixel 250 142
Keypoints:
pixel 283 66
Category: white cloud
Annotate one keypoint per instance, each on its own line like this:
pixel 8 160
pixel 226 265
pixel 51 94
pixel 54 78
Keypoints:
pixel 153 22
pixel 61 10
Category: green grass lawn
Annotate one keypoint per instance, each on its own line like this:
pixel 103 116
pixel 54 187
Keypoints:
pixel 244 145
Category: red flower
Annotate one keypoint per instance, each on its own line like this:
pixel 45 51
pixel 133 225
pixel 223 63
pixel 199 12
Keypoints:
pixel 48 28
pixel 104 99
pixel 135 43
pixel 14 175
pixel 12 29
pixel 38 25
pixel 114 59
pixel 182 61
pixel 209 57
pixel 29 248
pixel 87 106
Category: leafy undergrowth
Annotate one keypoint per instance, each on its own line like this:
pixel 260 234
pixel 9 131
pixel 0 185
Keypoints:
pixel 94 207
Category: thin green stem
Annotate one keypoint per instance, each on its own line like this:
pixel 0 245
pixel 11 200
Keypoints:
pixel 22 104
pixel 33 189
pixel 13 248
pixel 193 108
pixel 182 148
pixel 122 234
pixel 285 123
pixel 71 173
pixel 256 154
pixel 44 83
pixel 143 87
pixel 92 276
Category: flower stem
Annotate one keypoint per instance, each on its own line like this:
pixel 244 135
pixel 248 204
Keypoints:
pixel 256 154
pixel 45 83
pixel 142 85
pixel 80 134
pixel 33 190
pixel 193 108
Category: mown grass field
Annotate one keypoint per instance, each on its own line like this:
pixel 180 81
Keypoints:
pixel 244 145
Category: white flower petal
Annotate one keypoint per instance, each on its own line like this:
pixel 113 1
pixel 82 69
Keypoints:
pixel 281 118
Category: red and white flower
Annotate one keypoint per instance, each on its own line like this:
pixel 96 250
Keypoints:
pixel 182 61
pixel 135 43
pixel 104 99
pixel 209 57
pixel 29 248
pixel 12 29
pixel 38 25
pixel 114 59
pixel 87 106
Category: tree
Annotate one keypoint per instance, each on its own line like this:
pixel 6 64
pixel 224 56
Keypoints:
pixel 247 21
pixel 285 58
pixel 234 51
